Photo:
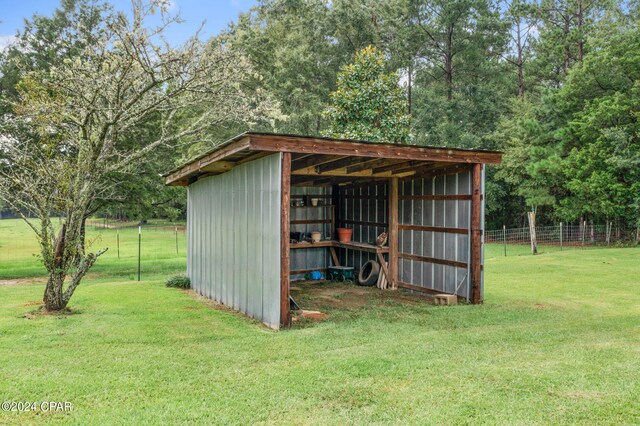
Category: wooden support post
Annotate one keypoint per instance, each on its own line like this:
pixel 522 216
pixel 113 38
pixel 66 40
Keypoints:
pixel 476 233
pixel 285 201
pixel 393 233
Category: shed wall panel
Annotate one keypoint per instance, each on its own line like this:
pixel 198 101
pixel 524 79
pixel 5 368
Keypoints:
pixel 433 244
pixel 233 238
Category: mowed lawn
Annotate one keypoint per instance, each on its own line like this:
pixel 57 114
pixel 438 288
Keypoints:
pixel 557 342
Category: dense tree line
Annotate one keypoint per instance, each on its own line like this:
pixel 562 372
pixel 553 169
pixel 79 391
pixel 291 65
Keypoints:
pixel 552 83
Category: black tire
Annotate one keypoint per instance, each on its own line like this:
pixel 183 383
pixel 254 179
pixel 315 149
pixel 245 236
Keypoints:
pixel 369 272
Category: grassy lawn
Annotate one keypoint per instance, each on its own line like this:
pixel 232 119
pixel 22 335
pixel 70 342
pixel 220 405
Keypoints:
pixel 557 341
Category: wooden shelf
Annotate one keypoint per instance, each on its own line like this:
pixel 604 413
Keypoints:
pixel 311 207
pixel 351 246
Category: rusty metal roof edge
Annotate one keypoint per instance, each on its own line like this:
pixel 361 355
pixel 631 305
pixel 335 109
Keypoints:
pixel 287 135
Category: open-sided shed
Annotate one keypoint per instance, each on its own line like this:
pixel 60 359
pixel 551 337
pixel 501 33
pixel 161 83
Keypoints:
pixel 241 211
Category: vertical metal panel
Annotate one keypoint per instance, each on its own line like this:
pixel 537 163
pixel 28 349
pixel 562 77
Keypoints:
pixel 233 238
pixel 440 245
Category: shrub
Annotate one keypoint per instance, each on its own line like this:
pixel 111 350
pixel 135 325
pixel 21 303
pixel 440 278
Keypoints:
pixel 179 281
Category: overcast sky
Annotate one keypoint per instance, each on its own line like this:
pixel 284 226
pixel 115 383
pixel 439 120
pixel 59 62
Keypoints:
pixel 216 13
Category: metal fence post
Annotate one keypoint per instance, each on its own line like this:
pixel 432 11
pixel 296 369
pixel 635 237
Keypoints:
pixel 560 236
pixel 584 227
pixel 176 239
pixel 504 239
pixel 139 245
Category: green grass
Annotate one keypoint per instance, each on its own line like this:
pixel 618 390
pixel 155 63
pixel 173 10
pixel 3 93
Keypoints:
pixel 557 342
pixel 18 247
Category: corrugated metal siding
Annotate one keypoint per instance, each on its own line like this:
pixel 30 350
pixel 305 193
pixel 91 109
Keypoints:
pixel 310 258
pixel 233 238
pixel 363 208
pixel 439 245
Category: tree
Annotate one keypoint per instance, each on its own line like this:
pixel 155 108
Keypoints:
pixel 368 103
pixel 72 138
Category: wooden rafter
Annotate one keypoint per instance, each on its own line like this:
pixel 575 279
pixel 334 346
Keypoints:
pixel 312 161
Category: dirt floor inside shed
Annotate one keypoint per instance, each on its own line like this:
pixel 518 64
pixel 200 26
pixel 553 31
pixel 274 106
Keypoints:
pixel 339 300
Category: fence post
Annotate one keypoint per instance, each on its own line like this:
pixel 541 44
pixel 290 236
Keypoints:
pixel 584 228
pixel 139 245
pixel 608 230
pixel 118 242
pixel 532 232
pixel 176 239
pixel 560 236
pixel 504 239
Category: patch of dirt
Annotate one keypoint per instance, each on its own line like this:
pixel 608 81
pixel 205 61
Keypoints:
pixel 33 303
pixel 328 295
pixel 23 281
pixel 41 312
pixel 540 306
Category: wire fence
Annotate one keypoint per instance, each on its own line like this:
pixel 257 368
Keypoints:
pixel 146 249
pixel 561 237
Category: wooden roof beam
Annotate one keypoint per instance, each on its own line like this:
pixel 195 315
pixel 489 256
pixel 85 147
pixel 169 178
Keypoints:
pixel 341 163
pixel 266 142
pixel 372 164
pixel 313 160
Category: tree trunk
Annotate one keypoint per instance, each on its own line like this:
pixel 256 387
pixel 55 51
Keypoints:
pixel 448 63
pixel 520 61
pixel 580 35
pixel 53 298
pixel 409 88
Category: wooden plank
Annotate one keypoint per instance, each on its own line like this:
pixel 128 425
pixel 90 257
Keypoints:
pixel 442 229
pixel 393 233
pixel 195 166
pixel 419 288
pixel 394 165
pixel 319 244
pixel 285 314
pixel 334 256
pixel 305 222
pixel 432 260
pixel 383 263
pixel 361 247
pixel 298 144
pixel 436 197
pixel 455 169
pixel 370 164
pixel 476 236
pixel 363 223
pixel 304 271
pixel 313 160
pixel 339 163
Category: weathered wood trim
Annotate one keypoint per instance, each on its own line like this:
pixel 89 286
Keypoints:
pixel 364 223
pixel 285 201
pixel 436 197
pixel 393 233
pixel 313 160
pixel 476 234
pixel 442 229
pixel 432 260
pixel 310 145
pixel 422 289
pixel 309 221
pixel 304 271
pixel 197 165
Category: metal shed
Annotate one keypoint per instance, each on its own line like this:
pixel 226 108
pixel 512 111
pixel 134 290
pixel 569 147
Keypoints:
pixel 240 214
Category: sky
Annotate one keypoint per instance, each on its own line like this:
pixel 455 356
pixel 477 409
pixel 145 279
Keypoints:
pixel 216 13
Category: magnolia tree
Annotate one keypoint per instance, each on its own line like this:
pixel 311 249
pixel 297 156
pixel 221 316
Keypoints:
pixel 369 103
pixel 69 141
